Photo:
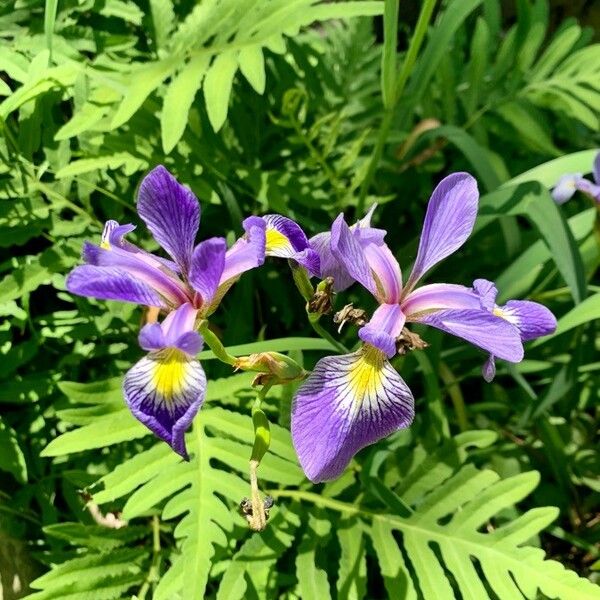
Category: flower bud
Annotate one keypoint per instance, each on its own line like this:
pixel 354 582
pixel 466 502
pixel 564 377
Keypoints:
pixel 277 368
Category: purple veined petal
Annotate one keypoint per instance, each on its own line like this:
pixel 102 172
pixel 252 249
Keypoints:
pixel 208 262
pixel 386 271
pixel 110 283
pixel 384 328
pixel 178 322
pixel 113 236
pixel 532 319
pixel 566 187
pixel 366 234
pixel 248 252
pixel 190 342
pixel 449 220
pixel 481 328
pixel 488 370
pixel 151 337
pixel 168 286
pixel 347 403
pixel 164 390
pixel 172 214
pixel 330 266
pixel 487 292
pixel 596 169
pixel 284 238
pixel 439 296
pixel 347 250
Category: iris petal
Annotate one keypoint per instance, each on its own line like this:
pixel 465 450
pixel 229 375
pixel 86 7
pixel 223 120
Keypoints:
pixel 449 220
pixel 208 262
pixel 171 212
pixel 347 403
pixel 384 328
pixel 110 283
pixel 164 390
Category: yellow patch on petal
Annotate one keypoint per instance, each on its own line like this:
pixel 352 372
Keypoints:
pixel 365 378
pixel 105 244
pixel 499 312
pixel 276 241
pixel 169 372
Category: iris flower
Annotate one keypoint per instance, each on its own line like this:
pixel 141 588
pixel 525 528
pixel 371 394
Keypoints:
pixel 165 389
pixel 570 183
pixel 353 400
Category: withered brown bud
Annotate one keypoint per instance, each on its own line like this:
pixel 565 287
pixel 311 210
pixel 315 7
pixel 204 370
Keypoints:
pixel 321 302
pixel 408 341
pixel 349 314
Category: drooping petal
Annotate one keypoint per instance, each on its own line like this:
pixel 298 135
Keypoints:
pixel 208 262
pixel 248 252
pixel 481 328
pixel 168 286
pixel 109 283
pixel 189 342
pixel 172 213
pixel 347 250
pixel 532 319
pixel 439 296
pixel 165 390
pixel 589 188
pixel 384 328
pixel 488 370
pixel 386 271
pixel 285 239
pixel 448 222
pixel 151 337
pixel 566 187
pixel 347 403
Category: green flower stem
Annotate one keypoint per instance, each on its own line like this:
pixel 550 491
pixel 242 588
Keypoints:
pixel 403 75
pixel 453 388
pixel 214 343
pixel 314 321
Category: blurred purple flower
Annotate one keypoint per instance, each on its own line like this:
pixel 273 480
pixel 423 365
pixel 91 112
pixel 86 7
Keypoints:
pixel 351 401
pixel 570 183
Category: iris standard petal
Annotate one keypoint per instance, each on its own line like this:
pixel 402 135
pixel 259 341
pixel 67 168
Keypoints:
pixel 449 220
pixel 386 270
pixel 165 390
pixel 284 238
pixel 348 251
pixel 347 403
pixel 566 187
pixel 439 296
pixel 172 213
pixel 110 283
pixel 208 262
pixel 487 292
pixel 481 328
pixel 384 328
pixel 168 286
pixel 532 319
pixel 330 266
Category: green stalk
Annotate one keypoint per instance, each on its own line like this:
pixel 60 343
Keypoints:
pixel 403 75
pixel 214 343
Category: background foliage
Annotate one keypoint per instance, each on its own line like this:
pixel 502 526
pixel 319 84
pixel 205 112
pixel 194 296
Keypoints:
pixel 298 107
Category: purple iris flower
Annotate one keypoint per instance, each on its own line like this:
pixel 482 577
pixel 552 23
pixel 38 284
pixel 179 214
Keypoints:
pixel 351 401
pixel 284 238
pixel 570 183
pixel 330 266
pixel 165 389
